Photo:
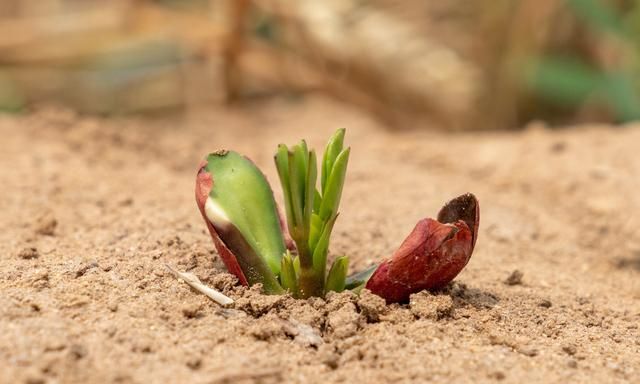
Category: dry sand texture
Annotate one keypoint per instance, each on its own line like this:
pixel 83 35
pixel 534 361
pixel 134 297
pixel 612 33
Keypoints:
pixel 92 209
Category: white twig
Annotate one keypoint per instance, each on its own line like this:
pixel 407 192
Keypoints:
pixel 195 283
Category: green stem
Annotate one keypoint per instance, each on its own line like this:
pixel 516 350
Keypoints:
pixel 308 283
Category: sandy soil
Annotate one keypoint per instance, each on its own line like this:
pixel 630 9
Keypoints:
pixel 92 209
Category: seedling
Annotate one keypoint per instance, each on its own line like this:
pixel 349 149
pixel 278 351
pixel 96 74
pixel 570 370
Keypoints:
pixel 311 214
pixel 241 214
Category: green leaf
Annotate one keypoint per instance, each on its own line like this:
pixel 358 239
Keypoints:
pixel 301 158
pixel 296 265
pixel 282 165
pixel 358 280
pixel 242 209
pixel 288 277
pixel 304 154
pixel 312 174
pixel 297 184
pixel 317 200
pixel 322 247
pixel 331 152
pixel 337 275
pixel 333 191
pixel 316 230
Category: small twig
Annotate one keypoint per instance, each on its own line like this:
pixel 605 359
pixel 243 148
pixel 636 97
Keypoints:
pixel 195 283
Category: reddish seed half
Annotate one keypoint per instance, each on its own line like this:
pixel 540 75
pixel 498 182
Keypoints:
pixel 432 255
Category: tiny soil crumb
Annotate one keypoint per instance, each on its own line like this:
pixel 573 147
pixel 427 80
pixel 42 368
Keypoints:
pixel 28 253
pixel 371 306
pixel 544 303
pixel 515 278
pixel 427 306
pixel 46 225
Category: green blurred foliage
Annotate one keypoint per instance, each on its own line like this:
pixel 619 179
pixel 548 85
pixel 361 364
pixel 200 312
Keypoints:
pixel 573 80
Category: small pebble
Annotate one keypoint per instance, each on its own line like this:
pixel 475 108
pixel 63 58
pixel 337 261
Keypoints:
pixel 77 351
pixel 515 278
pixel 113 306
pixel 545 303
pixel 527 351
pixel 46 226
pixel 569 349
pixel 86 267
pixel 192 311
pixel 558 147
pixel 194 363
pixel 28 253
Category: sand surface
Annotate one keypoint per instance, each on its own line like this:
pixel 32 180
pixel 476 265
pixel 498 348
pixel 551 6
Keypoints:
pixel 92 209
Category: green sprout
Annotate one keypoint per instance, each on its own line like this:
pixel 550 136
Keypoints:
pixel 311 215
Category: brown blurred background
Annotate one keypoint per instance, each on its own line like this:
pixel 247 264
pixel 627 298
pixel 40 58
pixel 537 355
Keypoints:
pixel 446 64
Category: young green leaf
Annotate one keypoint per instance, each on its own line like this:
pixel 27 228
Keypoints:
pixel 304 154
pixel 297 184
pixel 301 156
pixel 331 152
pixel 288 278
pixel 317 200
pixel 316 230
pixel 282 165
pixel 322 248
pixel 296 265
pixel 337 275
pixel 333 192
pixel 357 281
pixel 312 174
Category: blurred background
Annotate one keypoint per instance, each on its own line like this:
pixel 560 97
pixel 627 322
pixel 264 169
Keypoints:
pixel 442 64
